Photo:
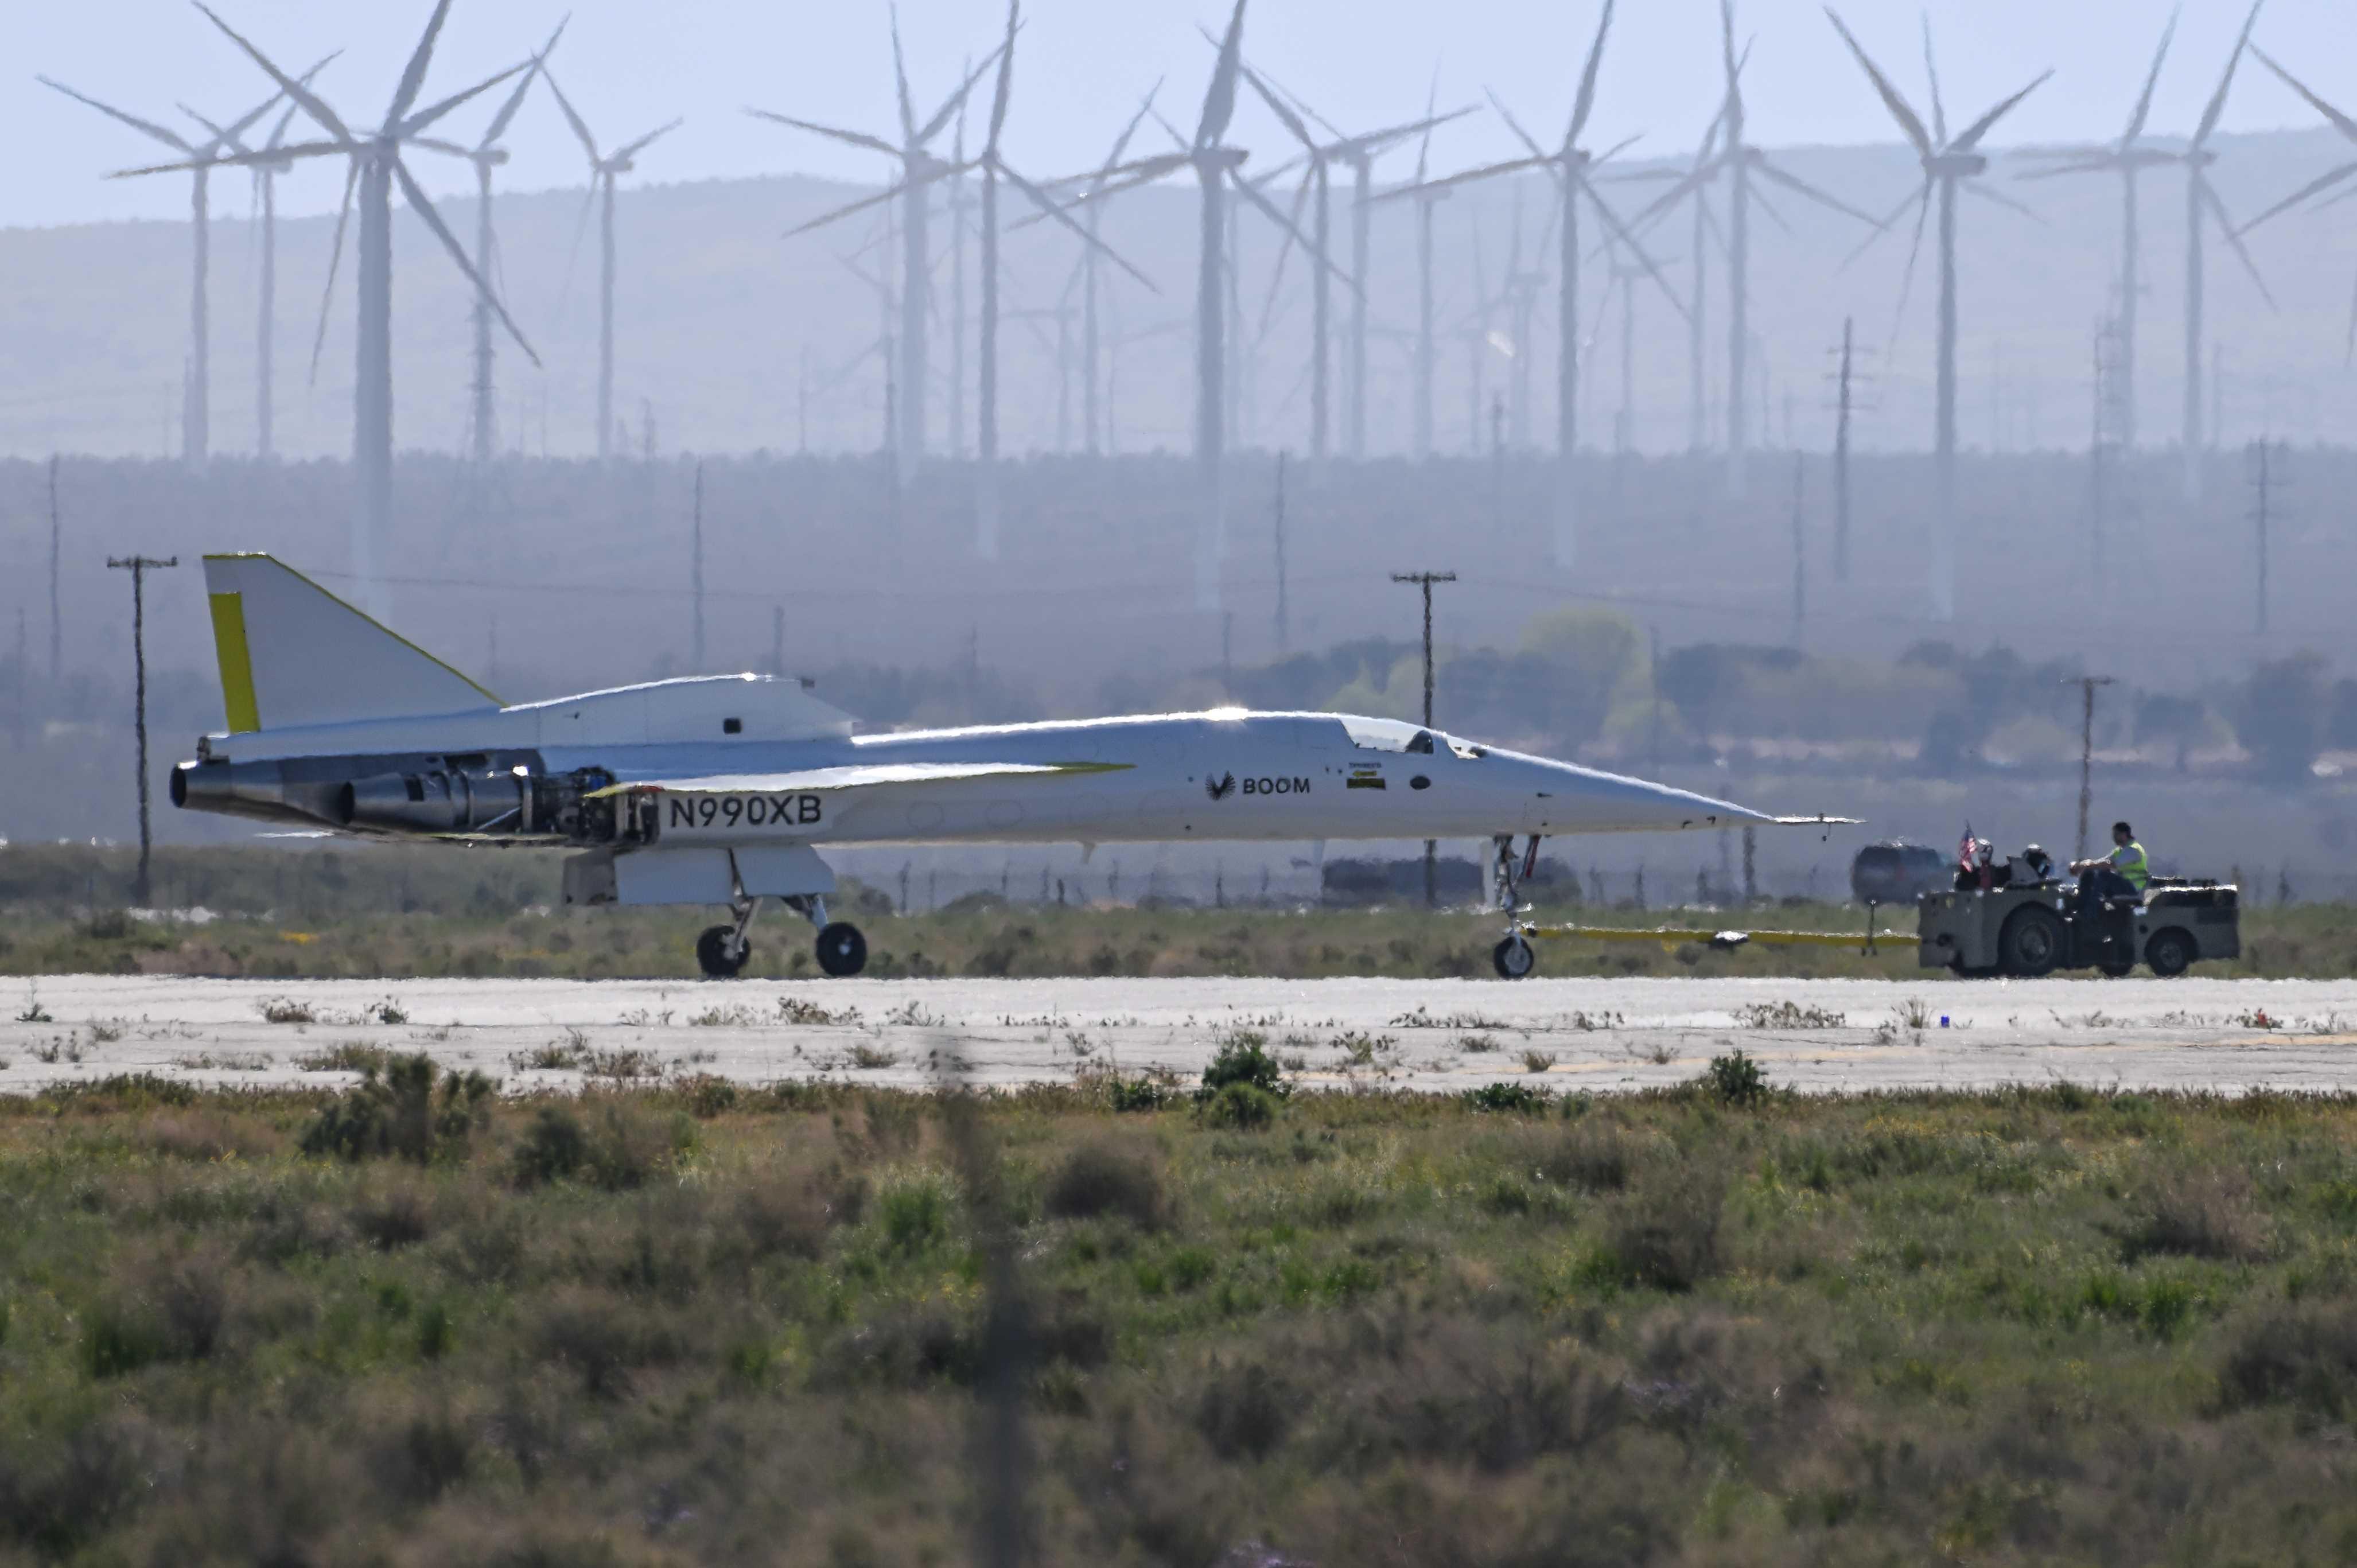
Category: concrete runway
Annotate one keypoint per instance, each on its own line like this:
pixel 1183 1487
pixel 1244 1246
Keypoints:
pixel 1822 1036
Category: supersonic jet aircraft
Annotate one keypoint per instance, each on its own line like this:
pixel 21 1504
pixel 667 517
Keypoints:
pixel 717 790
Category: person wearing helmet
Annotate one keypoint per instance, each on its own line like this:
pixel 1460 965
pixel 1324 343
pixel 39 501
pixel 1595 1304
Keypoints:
pixel 2126 872
pixel 1978 872
pixel 2038 864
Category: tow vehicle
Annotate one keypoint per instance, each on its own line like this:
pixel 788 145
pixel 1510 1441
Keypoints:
pixel 2026 929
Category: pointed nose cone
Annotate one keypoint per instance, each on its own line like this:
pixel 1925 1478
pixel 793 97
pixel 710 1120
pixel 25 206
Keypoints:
pixel 1568 799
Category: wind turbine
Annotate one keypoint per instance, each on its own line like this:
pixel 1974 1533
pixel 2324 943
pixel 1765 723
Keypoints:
pixel 1091 349
pixel 2342 122
pixel 487 154
pixel 1360 154
pixel 375 169
pixel 1570 166
pixel 919 170
pixel 196 412
pixel 265 185
pixel 1949 164
pixel 1216 166
pixel 1741 161
pixel 2126 159
pixel 604 170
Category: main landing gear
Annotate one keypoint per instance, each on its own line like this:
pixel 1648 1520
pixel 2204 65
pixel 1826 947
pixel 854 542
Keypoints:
pixel 1512 957
pixel 721 950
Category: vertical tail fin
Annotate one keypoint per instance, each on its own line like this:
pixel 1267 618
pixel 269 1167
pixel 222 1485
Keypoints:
pixel 292 653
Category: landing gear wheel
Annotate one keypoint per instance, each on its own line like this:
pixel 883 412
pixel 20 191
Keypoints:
pixel 2031 943
pixel 1513 958
pixel 841 950
pixel 2171 953
pixel 720 954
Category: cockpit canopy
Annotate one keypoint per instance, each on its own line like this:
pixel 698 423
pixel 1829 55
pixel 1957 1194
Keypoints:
pixel 1399 736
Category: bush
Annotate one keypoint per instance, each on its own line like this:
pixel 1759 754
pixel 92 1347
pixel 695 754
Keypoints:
pixel 1244 1107
pixel 1102 1178
pixel 1507 1097
pixel 1592 1158
pixel 1665 1235
pixel 2301 1356
pixel 1139 1094
pixel 1244 1411
pixel 2205 1214
pixel 915 1213
pixel 617 1147
pixel 1737 1079
pixel 1243 1058
pixel 397 1111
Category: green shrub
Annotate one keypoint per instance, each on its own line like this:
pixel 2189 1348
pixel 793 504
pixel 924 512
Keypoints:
pixel 1243 1058
pixel 1102 1178
pixel 1139 1094
pixel 1665 1236
pixel 1243 1107
pixel 1507 1097
pixel 617 1146
pixel 2303 1356
pixel 2196 1214
pixel 915 1213
pixel 1737 1079
pixel 396 1111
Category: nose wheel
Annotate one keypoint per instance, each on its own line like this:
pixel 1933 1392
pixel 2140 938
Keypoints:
pixel 1513 958
pixel 841 950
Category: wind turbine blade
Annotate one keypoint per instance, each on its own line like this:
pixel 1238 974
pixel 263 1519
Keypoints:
pixel 1908 121
pixel 2108 163
pixel 956 101
pixel 1282 110
pixel 1586 104
pixel 1121 143
pixel 1823 199
pixel 2066 150
pixel 412 76
pixel 1733 96
pixel 2226 84
pixel 1284 251
pixel 278 132
pixel 1220 100
pixel 237 160
pixel 901 80
pixel 1686 186
pixel 2321 184
pixel 624 153
pixel 1620 232
pixel 422 206
pixel 1146 171
pixel 1537 152
pixel 1932 71
pixel 2144 104
pixel 335 259
pixel 1615 150
pixel 312 104
pixel 1915 252
pixel 1774 216
pixel 2347 126
pixel 1046 205
pixel 1467 177
pixel 1424 151
pixel 1373 141
pixel 879 198
pixel 1268 209
pixel 1990 193
pixel 1980 127
pixel 855 138
pixel 1006 84
pixel 499 121
pixel 424 118
pixel 436 145
pixel 145 127
pixel 2217 210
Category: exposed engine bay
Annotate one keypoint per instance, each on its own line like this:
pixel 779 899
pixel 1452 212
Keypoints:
pixel 498 797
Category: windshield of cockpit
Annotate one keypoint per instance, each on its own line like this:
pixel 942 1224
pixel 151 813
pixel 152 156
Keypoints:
pixel 1398 736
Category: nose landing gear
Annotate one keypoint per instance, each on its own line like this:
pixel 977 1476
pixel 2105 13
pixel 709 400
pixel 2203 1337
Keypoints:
pixel 1512 957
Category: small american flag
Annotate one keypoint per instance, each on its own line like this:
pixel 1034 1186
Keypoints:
pixel 1964 850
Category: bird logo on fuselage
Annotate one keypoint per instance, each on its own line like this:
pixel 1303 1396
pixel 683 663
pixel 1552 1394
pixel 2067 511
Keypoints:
pixel 1220 788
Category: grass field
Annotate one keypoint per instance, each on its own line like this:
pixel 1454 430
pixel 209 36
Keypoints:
pixel 418 1325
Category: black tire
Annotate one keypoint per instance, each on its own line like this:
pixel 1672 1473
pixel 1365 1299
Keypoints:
pixel 841 950
pixel 1513 958
pixel 2031 946
pixel 2169 952
pixel 712 954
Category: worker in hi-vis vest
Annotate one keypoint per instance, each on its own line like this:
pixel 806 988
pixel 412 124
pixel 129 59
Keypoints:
pixel 2125 872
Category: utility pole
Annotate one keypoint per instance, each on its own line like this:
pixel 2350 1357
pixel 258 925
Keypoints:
pixel 2263 516
pixel 57 620
pixel 696 557
pixel 139 566
pixel 2087 684
pixel 1424 580
pixel 1841 455
pixel 1800 553
pixel 1284 627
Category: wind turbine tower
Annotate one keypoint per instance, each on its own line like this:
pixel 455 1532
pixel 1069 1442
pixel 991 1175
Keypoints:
pixel 1950 165
pixel 487 154
pixel 604 170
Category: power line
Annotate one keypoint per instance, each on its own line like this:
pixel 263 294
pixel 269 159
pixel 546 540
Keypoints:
pixel 139 566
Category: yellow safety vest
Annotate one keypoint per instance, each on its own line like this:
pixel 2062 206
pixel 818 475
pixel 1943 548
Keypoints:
pixel 2129 860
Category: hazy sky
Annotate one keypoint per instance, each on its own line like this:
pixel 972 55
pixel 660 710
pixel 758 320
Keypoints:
pixel 1082 65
